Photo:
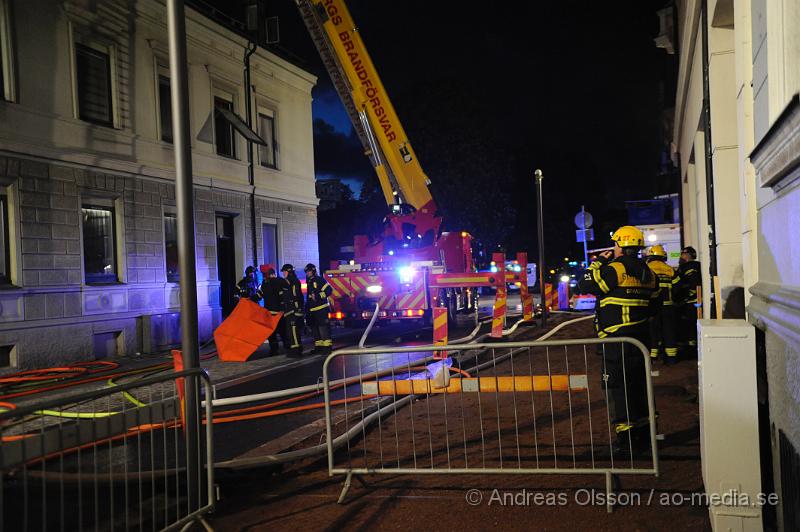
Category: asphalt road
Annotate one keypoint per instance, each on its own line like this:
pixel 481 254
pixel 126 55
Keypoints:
pixel 233 440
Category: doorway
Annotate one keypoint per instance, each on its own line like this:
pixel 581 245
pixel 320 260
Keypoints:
pixel 226 263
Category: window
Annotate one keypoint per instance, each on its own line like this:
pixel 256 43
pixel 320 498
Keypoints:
pixel 266 130
pixel 99 247
pixel 93 76
pixel 164 108
pixel 223 129
pixel 8 356
pixel 171 245
pixel 5 251
pixel 269 232
pixel 107 344
pixel 6 64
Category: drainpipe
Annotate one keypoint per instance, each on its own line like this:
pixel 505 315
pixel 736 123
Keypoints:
pixel 712 232
pixel 678 162
pixel 251 48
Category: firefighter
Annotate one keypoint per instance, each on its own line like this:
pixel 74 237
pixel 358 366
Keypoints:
pixel 248 286
pixel 627 296
pixel 293 309
pixel 663 333
pixel 318 291
pixel 275 292
pixel 689 281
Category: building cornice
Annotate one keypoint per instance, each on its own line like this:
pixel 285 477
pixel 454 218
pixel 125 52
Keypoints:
pixel 776 308
pixel 272 195
pixel 776 158
pixel 162 175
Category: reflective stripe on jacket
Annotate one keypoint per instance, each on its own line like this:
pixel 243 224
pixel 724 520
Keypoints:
pixel 627 293
pixel 666 279
pixel 318 291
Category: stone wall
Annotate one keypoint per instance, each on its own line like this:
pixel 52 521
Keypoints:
pixel 52 316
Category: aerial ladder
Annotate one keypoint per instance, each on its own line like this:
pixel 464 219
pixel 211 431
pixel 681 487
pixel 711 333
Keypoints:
pixel 413 219
pixel 413 267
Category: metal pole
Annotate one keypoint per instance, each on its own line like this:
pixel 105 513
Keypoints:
pixel 176 24
pixel 709 160
pixel 585 235
pixel 250 162
pixel 539 177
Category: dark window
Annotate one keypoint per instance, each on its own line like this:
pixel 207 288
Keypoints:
pixel 94 85
pixel 99 253
pixel 270 235
pixel 106 344
pixel 266 129
pixel 171 242
pixel 223 130
pixel 165 108
pixel 226 262
pixel 5 355
pixel 5 252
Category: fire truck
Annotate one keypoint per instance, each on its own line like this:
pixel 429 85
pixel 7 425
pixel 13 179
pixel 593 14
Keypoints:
pixel 412 266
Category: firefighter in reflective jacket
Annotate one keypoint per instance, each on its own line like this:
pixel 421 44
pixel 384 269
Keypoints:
pixel 663 333
pixel 293 312
pixel 318 291
pixel 276 296
pixel 688 282
pixel 627 296
pixel 248 286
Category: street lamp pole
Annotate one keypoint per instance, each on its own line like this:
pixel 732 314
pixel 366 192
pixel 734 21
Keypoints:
pixel 184 197
pixel 539 177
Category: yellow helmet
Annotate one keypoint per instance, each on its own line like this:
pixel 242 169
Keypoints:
pixel 628 236
pixel 657 251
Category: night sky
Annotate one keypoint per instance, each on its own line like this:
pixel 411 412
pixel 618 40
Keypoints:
pixel 488 94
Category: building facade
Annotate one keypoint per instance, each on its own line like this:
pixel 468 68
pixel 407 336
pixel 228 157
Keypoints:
pixel 90 266
pixel 754 81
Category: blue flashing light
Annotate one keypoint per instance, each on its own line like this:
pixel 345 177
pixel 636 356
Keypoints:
pixel 391 252
pixel 406 274
pixel 493 269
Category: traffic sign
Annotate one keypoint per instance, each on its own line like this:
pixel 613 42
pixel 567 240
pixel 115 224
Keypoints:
pixel 583 220
pixel 584 235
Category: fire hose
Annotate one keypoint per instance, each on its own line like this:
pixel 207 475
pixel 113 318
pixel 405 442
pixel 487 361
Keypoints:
pixel 270 409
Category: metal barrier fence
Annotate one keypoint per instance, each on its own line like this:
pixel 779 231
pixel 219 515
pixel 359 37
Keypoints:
pixel 110 459
pixel 538 407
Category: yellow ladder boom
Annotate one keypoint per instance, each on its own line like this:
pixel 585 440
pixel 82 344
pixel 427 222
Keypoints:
pixel 345 57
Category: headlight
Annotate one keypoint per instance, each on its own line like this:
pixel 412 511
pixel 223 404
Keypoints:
pixel 406 274
pixel 565 278
pixel 374 289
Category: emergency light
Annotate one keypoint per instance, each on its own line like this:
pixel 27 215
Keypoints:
pixel 406 274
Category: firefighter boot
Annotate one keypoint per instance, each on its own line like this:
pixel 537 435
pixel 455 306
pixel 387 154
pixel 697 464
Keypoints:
pixel 632 441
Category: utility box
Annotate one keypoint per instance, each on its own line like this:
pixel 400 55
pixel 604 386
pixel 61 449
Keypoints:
pixel 729 423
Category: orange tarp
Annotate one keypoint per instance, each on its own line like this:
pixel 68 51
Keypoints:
pixel 244 331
